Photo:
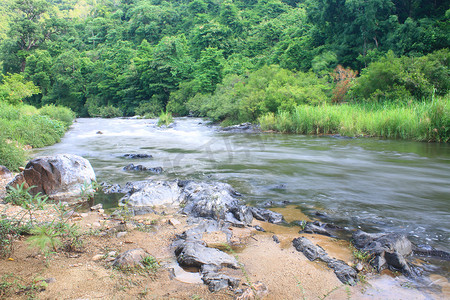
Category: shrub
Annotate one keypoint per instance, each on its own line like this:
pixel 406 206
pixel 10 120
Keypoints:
pixel 11 154
pixel 110 112
pixel 60 113
pixel 165 118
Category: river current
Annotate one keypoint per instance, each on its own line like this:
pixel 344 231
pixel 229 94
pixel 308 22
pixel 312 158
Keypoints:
pixel 368 183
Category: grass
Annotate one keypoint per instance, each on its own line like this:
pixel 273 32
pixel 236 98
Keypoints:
pixel 25 125
pixel 420 121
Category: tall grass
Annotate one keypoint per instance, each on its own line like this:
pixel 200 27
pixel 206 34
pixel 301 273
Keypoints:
pixel 424 121
pixel 25 125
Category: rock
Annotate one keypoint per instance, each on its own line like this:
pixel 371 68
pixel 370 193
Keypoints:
pixel 344 272
pixel 388 249
pixel 130 258
pixel 63 176
pixel 267 215
pixel 5 173
pixel 258 290
pixel 174 222
pixel 121 234
pixel 275 239
pixel 216 281
pixel 99 132
pixel 97 257
pixel 195 254
pixel 137 156
pixel 317 227
pixel 259 228
pixel 242 128
pixel 132 167
pixel 152 193
pixel 96 207
pixel 427 250
pixel 359 267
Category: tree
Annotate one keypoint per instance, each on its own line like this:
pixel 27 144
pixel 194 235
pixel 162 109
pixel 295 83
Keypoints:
pixel 15 88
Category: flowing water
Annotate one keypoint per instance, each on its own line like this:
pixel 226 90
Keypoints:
pixel 379 185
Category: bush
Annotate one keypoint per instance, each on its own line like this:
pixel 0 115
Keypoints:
pixel 60 113
pixel 11 154
pixel 165 118
pixel 110 112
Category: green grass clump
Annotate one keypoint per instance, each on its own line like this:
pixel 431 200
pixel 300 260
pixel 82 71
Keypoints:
pixel 25 125
pixel 165 118
pixel 420 121
pixel 59 113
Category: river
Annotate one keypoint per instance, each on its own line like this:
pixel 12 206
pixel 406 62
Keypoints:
pixel 379 185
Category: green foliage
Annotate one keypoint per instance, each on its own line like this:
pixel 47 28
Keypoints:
pixel 242 99
pixel 425 121
pixel 14 88
pixel 8 232
pixel 12 155
pixel 399 79
pixel 21 196
pixel 59 113
pixel 165 119
pixel 150 263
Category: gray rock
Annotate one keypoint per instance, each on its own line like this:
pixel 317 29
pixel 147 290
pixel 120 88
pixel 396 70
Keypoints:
pixel 63 176
pixel 152 193
pixel 267 215
pixel 344 272
pixel 137 156
pixel 317 227
pixel 195 254
pixel 388 249
pixel 242 128
pixel 130 258
pixel 216 281
pixel 132 167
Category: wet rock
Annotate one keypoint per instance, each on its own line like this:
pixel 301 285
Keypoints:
pixel 388 249
pixel 132 167
pixel 267 215
pixel 195 254
pixel 99 132
pixel 137 156
pixel 63 176
pixel 130 258
pixel 242 128
pixel 317 227
pixel 344 272
pixel 111 189
pixel 429 251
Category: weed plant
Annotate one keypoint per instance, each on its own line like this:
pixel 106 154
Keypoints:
pixel 165 118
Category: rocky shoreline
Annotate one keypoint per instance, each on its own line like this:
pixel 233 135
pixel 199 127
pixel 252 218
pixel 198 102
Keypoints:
pixel 216 222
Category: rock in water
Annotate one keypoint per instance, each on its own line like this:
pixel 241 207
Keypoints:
pixel 389 250
pixel 61 177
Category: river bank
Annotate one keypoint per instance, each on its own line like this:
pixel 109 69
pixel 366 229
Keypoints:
pixel 269 270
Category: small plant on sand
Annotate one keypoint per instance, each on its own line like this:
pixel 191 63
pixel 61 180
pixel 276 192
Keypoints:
pixel 150 263
pixel 362 256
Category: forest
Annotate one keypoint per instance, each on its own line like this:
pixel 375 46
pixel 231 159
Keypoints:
pixel 234 61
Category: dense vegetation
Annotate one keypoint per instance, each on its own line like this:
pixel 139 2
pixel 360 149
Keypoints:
pixel 230 60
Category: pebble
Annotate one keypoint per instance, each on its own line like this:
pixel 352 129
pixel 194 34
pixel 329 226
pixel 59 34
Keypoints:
pixel 96 224
pixel 121 234
pixel 112 253
pixel 84 215
pixel 97 257
pixel 174 222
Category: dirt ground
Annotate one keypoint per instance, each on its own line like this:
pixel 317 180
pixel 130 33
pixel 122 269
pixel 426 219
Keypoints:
pixel 269 270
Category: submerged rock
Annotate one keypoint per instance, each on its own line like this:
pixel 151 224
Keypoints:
pixel 63 176
pixel 267 215
pixel 317 227
pixel 137 156
pixel 344 272
pixel 132 167
pixel 388 249
pixel 242 128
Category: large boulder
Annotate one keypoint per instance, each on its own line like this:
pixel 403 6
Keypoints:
pixel 61 177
